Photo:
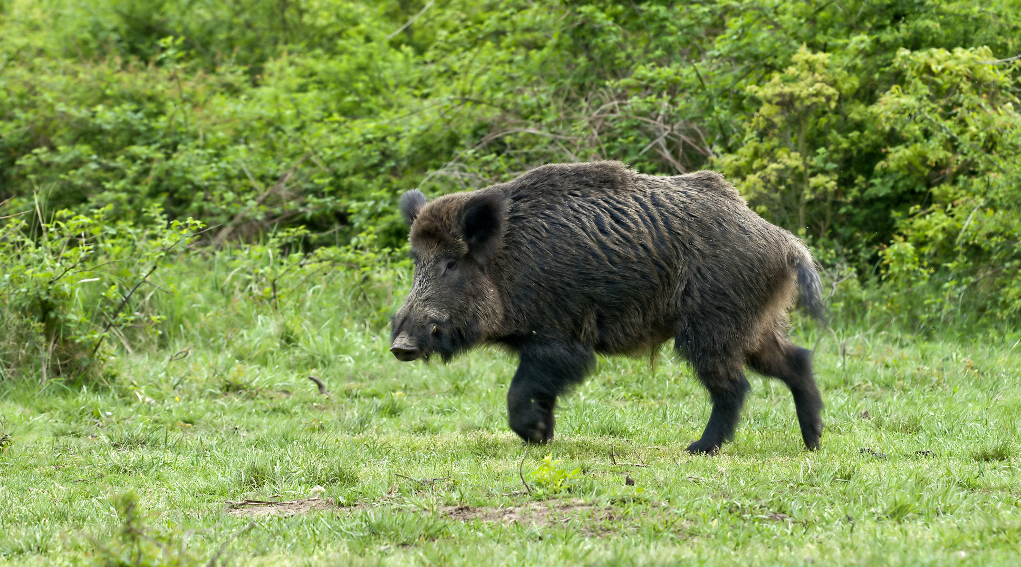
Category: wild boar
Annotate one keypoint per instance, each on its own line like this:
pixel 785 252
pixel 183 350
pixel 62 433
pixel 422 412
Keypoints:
pixel 569 260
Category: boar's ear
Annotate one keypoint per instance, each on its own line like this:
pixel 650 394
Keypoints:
pixel 482 224
pixel 410 205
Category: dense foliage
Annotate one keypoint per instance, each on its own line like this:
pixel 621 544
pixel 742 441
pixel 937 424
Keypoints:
pixel 885 132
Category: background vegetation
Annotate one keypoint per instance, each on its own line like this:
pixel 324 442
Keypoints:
pixel 197 209
pixel 884 132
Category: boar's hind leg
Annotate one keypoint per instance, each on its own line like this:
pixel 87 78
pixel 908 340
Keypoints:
pixel 727 389
pixel 545 372
pixel 779 358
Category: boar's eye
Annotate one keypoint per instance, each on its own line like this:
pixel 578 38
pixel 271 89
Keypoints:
pixel 450 266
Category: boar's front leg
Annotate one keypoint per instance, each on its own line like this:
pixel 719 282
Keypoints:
pixel 546 371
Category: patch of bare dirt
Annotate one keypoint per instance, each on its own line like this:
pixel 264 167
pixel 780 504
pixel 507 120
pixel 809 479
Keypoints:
pixel 539 514
pixel 261 508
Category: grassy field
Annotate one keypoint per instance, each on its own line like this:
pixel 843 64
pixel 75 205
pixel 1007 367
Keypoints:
pixel 414 464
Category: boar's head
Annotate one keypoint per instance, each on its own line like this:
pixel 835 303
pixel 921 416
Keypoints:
pixel 453 303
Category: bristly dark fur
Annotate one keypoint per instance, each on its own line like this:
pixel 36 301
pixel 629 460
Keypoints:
pixel 570 260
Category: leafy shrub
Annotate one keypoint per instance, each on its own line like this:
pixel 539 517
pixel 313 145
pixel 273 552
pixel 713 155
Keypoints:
pixel 68 289
pixel 956 122
pixel 785 167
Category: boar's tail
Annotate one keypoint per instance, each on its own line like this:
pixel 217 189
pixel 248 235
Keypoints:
pixel 810 286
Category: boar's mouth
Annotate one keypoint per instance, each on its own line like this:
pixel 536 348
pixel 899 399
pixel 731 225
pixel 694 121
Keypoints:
pixel 413 342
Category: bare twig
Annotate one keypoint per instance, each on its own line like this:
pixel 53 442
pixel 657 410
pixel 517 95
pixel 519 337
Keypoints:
pixel 247 502
pixel 948 132
pixel 570 154
pixel 113 318
pixel 429 481
pixel 490 137
pixel 14 215
pixel 666 155
pixel 968 221
pixel 494 136
pixel 69 269
pixel 661 128
pixel 982 277
pixel 613 460
pixel 322 387
pixel 411 21
pixel 998 61
pixel 521 465
pixel 602 148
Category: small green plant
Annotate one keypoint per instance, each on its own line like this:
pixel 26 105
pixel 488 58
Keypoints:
pixel 551 479
pixel 900 508
pixel 135 545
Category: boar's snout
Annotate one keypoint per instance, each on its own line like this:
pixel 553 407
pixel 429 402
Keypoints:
pixel 405 349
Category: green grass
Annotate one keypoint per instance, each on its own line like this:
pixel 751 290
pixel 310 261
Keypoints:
pixel 919 465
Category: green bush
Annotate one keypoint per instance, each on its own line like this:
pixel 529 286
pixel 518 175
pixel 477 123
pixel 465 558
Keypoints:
pixel 957 124
pixel 72 287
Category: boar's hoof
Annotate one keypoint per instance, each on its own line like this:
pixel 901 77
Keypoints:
pixel 812 437
pixel 539 437
pixel 701 447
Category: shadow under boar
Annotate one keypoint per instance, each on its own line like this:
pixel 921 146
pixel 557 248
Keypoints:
pixel 569 260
